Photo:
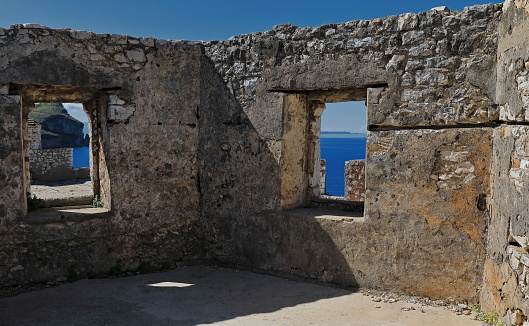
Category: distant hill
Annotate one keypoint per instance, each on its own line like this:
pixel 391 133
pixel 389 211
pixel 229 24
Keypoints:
pixel 59 129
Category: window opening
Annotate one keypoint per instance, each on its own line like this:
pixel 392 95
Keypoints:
pixel 342 150
pixel 59 155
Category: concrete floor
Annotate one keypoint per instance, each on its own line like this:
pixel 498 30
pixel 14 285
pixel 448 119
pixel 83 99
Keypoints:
pixel 210 295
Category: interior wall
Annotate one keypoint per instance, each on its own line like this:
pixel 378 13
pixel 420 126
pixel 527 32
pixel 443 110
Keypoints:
pixel 145 113
pixel 206 151
pixel 505 269
pixel 429 147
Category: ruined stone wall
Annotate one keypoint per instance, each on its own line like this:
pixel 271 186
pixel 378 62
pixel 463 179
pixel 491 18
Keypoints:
pixel 429 83
pixel 34 138
pixel 54 164
pixel 432 62
pixel 43 160
pixel 142 96
pixel 505 286
pixel 210 151
pixel 355 186
pixel 323 176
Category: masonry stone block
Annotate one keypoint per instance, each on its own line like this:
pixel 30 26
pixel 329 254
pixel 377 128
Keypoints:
pixel 355 180
pixel 13 199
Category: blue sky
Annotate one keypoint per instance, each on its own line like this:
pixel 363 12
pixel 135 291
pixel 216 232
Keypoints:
pixel 348 116
pixel 208 20
pixel 76 111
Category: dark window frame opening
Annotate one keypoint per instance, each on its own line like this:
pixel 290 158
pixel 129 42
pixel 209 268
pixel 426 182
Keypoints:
pixel 94 102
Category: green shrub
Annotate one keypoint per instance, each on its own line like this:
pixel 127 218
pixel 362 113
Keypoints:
pixel 97 202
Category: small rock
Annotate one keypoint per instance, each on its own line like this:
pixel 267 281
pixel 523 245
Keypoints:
pixel 442 9
pixel 392 300
pixel 376 299
pixel 120 57
pixel 431 77
pixel 412 37
pixel 360 42
pixel 136 55
pixel 378 307
pixel 30 25
pixel 405 309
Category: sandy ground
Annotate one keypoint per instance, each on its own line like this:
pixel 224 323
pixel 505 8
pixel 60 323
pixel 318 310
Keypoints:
pixel 61 189
pixel 63 193
pixel 211 295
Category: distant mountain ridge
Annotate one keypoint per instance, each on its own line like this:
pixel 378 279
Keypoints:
pixel 59 129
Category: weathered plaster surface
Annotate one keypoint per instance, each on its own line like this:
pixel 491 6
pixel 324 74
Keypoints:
pixel 505 283
pixel 147 168
pixel 415 71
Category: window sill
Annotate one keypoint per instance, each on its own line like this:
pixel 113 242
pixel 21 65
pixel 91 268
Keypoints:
pixel 65 214
pixel 328 214
pixel 337 203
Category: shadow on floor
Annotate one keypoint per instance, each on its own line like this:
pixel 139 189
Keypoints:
pixel 188 296
pixel 210 295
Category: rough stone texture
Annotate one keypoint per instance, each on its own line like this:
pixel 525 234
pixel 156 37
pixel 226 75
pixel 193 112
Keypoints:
pixel 44 161
pixel 414 71
pixel 210 151
pixel 323 176
pixel 355 186
pixel 412 190
pixel 505 285
pixel 13 199
pixel 55 165
pixel 437 57
pixel 34 135
pixel 152 195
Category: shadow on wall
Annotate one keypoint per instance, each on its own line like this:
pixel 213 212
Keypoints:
pixel 241 178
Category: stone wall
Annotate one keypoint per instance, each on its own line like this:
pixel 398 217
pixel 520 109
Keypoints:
pixel 430 98
pixel 54 164
pixel 43 161
pixel 143 97
pixel 355 187
pixel 34 132
pixel 323 176
pixel 230 132
pixel 505 286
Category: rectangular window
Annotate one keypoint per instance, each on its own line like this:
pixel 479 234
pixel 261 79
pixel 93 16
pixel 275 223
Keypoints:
pixel 59 155
pixel 343 148
pixel 328 124
pixel 65 141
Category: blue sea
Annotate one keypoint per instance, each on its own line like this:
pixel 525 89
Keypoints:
pixel 81 157
pixel 336 149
